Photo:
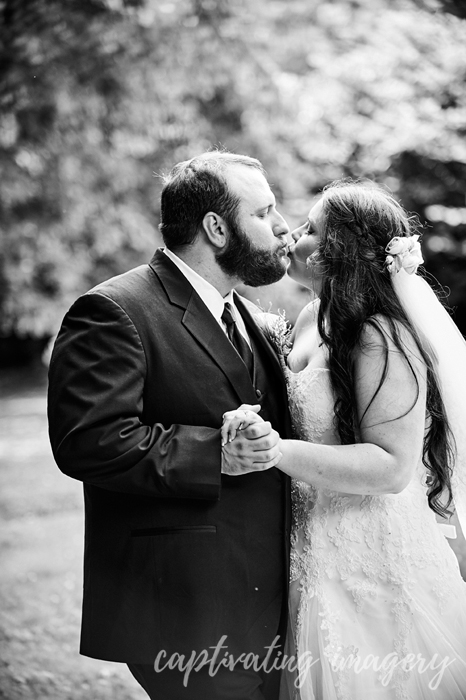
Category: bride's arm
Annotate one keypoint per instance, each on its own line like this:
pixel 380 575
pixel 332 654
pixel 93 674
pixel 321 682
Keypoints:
pixel 392 427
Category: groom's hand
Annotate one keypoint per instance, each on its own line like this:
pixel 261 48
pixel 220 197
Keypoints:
pixel 255 448
pixel 239 419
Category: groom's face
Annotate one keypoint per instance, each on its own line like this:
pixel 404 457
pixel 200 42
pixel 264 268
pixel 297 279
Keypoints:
pixel 256 248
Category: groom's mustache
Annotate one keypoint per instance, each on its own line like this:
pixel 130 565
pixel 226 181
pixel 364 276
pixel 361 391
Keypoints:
pixel 284 247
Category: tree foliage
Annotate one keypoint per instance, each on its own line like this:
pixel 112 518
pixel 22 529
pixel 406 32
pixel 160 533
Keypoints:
pixel 99 97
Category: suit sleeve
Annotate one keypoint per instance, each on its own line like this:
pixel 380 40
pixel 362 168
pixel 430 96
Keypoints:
pixel 95 408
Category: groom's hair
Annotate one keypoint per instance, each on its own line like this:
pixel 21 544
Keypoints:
pixel 195 187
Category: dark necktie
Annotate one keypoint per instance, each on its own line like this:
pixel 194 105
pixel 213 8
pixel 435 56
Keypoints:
pixel 240 344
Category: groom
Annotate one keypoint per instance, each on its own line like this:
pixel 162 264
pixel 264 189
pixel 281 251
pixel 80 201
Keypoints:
pixel 185 544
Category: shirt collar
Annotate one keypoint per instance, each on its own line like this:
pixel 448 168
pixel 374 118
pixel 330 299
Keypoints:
pixel 209 295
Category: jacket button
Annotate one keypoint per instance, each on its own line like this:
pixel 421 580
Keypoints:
pixel 258 393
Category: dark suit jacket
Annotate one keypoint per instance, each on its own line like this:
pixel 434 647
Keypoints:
pixel 176 554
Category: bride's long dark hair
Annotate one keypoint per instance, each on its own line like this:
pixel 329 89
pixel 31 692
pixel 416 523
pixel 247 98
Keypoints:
pixel 360 218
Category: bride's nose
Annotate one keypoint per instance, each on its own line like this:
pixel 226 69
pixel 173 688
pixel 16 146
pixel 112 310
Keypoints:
pixel 296 234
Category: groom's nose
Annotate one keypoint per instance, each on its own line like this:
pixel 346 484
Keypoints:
pixel 280 228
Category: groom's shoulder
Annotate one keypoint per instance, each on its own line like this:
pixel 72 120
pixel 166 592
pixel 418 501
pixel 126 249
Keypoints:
pixel 133 284
pixel 131 294
pixel 140 286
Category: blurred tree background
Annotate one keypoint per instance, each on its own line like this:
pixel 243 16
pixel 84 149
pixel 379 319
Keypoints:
pixel 99 97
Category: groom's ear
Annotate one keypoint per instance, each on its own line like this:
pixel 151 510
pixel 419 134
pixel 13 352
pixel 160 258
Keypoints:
pixel 215 229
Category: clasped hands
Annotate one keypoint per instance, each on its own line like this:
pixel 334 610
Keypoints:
pixel 249 444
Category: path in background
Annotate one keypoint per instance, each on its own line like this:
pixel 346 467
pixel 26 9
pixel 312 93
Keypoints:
pixel 41 526
pixel 41 521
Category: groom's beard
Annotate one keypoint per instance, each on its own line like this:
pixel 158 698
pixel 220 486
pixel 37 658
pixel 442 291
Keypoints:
pixel 252 265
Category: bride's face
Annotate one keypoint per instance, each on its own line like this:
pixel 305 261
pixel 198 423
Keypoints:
pixel 306 240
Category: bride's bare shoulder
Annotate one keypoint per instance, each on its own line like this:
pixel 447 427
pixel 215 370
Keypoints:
pixel 307 316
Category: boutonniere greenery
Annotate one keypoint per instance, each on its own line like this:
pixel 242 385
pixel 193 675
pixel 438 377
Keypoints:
pixel 277 329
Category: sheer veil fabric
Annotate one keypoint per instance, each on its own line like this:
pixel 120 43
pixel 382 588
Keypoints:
pixel 441 335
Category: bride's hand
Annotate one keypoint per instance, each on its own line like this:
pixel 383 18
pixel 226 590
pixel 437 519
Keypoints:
pixel 239 419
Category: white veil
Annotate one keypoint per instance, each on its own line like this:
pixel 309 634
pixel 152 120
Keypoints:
pixel 434 324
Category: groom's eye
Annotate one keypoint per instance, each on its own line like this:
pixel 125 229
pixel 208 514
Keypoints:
pixel 262 214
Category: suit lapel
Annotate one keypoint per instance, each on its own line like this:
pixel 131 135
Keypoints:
pixel 200 323
pixel 255 331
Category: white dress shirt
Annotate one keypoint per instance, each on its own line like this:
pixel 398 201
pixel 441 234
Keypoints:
pixel 209 295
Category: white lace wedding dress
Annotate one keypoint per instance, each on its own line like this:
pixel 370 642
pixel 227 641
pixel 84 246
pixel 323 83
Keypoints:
pixel 373 581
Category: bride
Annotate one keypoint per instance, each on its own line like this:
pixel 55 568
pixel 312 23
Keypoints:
pixel 376 375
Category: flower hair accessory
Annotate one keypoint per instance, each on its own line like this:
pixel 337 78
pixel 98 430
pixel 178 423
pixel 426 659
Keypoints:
pixel 403 253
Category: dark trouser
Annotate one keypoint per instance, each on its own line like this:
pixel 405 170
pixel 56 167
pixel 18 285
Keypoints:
pixel 240 684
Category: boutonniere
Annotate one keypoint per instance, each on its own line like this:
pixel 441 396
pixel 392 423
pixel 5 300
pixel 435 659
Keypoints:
pixel 277 329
